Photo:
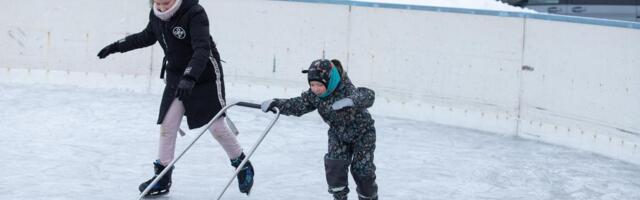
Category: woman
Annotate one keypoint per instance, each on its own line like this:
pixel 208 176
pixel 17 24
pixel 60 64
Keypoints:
pixel 195 84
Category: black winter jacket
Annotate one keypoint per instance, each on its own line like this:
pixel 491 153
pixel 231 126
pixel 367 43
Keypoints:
pixel 189 52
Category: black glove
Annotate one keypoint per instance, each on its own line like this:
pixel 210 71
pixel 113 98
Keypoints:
pixel 184 88
pixel 109 49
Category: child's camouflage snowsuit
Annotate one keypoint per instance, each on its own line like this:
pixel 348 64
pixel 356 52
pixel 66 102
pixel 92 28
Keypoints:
pixel 352 136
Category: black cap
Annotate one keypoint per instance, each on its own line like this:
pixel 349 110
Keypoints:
pixel 319 70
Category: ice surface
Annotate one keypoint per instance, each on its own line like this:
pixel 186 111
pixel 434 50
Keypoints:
pixel 69 143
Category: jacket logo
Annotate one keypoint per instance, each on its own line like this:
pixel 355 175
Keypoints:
pixel 179 32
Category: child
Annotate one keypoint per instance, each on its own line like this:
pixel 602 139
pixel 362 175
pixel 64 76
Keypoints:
pixel 195 83
pixel 352 135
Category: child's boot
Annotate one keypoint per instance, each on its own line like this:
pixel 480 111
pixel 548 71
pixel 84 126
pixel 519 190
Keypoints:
pixel 367 187
pixel 340 197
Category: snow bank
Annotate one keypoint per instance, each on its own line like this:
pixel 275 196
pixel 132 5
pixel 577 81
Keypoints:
pixel 469 4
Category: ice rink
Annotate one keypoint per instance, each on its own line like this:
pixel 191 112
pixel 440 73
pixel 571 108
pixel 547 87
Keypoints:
pixel 62 142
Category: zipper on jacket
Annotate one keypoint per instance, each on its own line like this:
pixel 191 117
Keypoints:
pixel 165 42
pixel 163 39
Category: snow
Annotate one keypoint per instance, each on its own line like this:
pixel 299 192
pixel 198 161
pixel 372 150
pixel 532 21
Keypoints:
pixel 63 142
pixel 469 4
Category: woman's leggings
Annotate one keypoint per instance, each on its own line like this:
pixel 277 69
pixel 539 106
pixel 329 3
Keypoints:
pixel 169 133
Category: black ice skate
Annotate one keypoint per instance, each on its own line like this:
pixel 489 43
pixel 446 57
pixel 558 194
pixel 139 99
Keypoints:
pixel 163 186
pixel 245 176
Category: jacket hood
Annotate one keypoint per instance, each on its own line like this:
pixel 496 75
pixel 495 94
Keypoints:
pixel 186 5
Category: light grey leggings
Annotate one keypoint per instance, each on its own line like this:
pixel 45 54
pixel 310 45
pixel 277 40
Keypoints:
pixel 169 133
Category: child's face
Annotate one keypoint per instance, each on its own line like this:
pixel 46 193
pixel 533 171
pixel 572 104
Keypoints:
pixel 317 87
pixel 164 5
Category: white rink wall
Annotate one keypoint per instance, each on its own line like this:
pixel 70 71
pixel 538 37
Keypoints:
pixel 563 80
pixel 585 87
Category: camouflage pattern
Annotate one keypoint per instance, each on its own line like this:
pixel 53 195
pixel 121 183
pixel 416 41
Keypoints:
pixel 352 134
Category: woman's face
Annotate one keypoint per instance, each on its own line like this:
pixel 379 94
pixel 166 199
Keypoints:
pixel 317 87
pixel 164 5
